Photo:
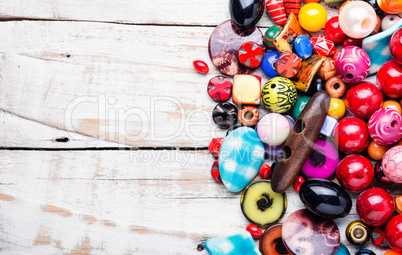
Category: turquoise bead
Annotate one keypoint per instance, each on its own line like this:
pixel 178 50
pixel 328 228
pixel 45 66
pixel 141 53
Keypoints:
pixel 342 250
pixel 377 47
pixel 239 244
pixel 240 158
pixel 299 106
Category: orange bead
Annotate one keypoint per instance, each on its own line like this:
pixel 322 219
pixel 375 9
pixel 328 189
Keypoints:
pixel 393 105
pixel 336 108
pixel 376 151
pixel 393 253
pixel 390 6
pixel 398 203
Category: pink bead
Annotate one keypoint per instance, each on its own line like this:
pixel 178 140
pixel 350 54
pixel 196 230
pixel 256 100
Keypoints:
pixel 352 64
pixel 385 126
pixel 392 164
pixel 357 19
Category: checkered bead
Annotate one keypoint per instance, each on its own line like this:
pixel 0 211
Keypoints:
pixel 240 158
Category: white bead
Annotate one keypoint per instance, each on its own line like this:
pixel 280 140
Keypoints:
pixel 357 19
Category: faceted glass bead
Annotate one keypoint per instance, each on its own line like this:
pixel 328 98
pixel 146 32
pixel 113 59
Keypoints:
pixel 312 17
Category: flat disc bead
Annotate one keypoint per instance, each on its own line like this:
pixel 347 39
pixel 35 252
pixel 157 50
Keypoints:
pixel 288 65
pixel 250 54
pixel 248 115
pixel 219 88
pixel 357 19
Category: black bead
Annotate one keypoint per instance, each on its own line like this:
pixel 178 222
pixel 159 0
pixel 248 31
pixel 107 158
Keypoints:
pixel 317 84
pixel 246 13
pixel 325 198
pixel 225 115
pixel 376 8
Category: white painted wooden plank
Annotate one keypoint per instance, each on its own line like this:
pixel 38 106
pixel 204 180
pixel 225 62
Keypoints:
pixel 110 202
pixel 195 12
pixel 19 132
pixel 133 85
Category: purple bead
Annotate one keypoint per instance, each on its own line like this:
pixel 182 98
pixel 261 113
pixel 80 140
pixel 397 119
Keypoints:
pixel 352 64
pixel 385 126
pixel 322 161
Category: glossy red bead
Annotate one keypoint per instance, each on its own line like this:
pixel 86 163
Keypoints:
pixel 288 64
pixel 219 88
pixel 298 182
pixel 375 206
pixel 254 230
pixel 323 46
pixel 355 173
pixel 200 66
pixel 265 171
pixel 215 172
pixel 333 31
pixel 250 54
pixel 352 42
pixel 380 175
pixel 389 79
pixel 393 233
pixel 351 135
pixel 215 146
pixel 363 99
pixel 395 46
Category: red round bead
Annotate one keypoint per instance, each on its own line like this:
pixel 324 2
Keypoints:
pixel 215 171
pixel 250 54
pixel 297 183
pixel 200 66
pixel 254 230
pixel 265 171
pixel 393 233
pixel 352 42
pixel 219 88
pixel 351 135
pixel 355 173
pixel 363 99
pixel 323 46
pixel 375 206
pixel 333 31
pixel 395 46
pixel 389 79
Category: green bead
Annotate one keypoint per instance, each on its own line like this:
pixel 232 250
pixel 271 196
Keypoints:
pixel 270 35
pixel 299 106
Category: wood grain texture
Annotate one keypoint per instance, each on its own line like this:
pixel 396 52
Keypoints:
pixel 170 12
pixel 110 202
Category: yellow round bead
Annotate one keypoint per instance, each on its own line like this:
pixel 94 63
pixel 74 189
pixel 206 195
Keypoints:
pixel 336 108
pixel 312 17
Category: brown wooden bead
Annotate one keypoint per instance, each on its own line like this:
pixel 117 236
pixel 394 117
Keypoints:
pixel 327 69
pixel 300 142
pixel 248 115
pixel 335 87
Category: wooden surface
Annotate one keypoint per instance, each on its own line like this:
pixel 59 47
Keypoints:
pixel 104 126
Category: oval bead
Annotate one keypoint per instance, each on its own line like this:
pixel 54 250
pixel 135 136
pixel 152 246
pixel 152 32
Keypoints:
pixel 246 13
pixel 325 198
pixel 269 62
pixel 303 46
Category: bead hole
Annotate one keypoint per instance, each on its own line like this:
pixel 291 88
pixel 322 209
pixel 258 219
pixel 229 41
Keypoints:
pixel 337 86
pixel 359 233
pixel 273 86
pixel 299 126
pixel 349 76
pixel 366 23
pixel 285 153
pixel 394 123
pixel 248 115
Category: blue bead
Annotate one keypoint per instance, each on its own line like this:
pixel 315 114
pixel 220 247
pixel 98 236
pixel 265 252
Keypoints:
pixel 303 47
pixel 239 244
pixel 268 62
pixel 365 252
pixel 342 250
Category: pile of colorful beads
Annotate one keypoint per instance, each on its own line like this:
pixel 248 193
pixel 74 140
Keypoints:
pixel 307 130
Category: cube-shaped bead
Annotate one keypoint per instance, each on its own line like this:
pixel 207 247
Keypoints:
pixel 246 89
pixel 328 126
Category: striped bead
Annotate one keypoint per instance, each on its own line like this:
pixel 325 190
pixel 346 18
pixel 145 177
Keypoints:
pixel 276 11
